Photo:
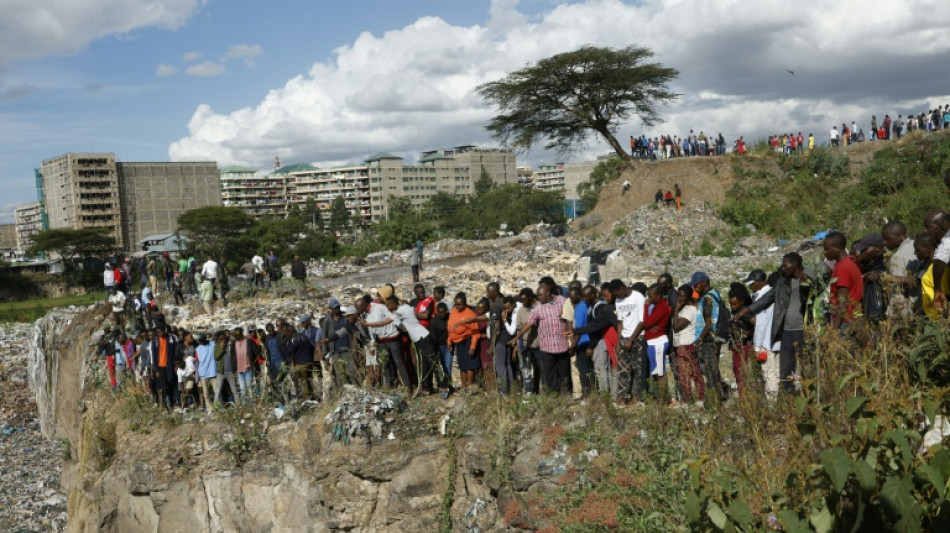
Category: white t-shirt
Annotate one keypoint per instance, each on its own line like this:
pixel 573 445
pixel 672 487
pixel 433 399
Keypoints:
pixel 762 335
pixel 833 134
pixel 258 263
pixel 181 374
pixel 379 313
pixel 117 300
pixel 943 251
pixel 189 366
pixel 630 312
pixel 210 269
pixel 686 335
pixel 406 317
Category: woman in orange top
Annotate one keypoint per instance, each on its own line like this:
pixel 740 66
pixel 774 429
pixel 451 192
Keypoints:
pixel 463 337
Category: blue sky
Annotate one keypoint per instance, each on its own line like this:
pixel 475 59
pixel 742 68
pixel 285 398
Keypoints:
pixel 241 81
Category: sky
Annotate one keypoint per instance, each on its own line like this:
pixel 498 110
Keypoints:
pixel 242 81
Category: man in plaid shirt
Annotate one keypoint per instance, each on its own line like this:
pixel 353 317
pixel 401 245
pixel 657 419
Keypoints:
pixel 553 356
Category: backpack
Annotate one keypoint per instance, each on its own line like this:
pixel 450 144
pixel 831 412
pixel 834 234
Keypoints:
pixel 723 326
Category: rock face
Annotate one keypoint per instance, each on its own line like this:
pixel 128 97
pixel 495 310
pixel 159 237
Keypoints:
pixel 297 479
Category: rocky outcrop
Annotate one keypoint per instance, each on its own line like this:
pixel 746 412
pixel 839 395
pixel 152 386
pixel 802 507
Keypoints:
pixel 297 478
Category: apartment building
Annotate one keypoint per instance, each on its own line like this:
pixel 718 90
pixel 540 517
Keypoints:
pixel 82 191
pixel 258 193
pixel 28 220
pixel 131 200
pixel 549 177
pixel 325 185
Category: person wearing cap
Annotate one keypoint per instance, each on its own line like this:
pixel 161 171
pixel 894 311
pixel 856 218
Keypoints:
pixel 388 344
pixel 708 346
pixel 788 300
pixel 337 344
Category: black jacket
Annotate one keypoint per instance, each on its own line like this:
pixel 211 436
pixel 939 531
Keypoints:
pixel 600 316
pixel 781 295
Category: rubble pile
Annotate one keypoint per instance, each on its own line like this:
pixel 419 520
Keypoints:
pixel 30 497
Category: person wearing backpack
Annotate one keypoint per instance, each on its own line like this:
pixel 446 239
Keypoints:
pixel 712 328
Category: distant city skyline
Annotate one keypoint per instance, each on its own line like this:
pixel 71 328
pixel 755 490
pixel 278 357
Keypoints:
pixel 241 82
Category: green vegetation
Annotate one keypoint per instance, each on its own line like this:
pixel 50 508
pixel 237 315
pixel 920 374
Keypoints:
pixel 70 244
pixel 604 173
pixel 819 191
pixel 567 97
pixel 845 453
pixel 31 310
pixel 217 231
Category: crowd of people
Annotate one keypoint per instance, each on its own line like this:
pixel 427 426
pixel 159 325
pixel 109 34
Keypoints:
pixel 620 339
pixel 692 145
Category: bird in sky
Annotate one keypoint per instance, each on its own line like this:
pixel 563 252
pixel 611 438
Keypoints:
pixel 792 72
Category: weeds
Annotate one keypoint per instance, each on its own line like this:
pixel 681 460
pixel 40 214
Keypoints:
pixel 243 433
pixel 102 442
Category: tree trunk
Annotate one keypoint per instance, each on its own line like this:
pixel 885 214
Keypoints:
pixel 615 144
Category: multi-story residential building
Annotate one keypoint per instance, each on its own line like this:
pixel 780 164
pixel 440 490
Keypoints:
pixel 130 200
pixel 260 194
pixel 549 177
pixel 28 220
pixel 452 171
pixel 575 174
pixel 82 191
pixel 325 185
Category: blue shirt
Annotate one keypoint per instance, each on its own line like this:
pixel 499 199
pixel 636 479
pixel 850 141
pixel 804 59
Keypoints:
pixel 580 320
pixel 700 321
pixel 273 348
pixel 207 367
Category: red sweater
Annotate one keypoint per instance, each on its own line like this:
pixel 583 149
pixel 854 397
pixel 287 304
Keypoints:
pixel 657 323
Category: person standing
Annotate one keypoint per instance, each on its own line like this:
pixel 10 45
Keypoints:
pixel 388 341
pixel 901 268
pixel 629 305
pixel 404 316
pixel 168 268
pixel 298 270
pixel 847 288
pixel 300 354
pixel 108 278
pixel 205 292
pixel 259 270
pixel 207 371
pixel 765 350
pixel 243 353
pixel 463 338
pixel 708 345
pixel 688 374
pixel 414 264
pixel 553 354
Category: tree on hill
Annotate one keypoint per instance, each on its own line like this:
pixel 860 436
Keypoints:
pixel 216 230
pixel 70 244
pixel 566 97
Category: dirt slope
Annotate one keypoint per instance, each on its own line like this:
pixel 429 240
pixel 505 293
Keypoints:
pixel 702 179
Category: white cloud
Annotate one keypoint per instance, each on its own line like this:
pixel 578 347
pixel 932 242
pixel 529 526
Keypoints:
pixel 205 70
pixel 191 57
pixel 245 52
pixel 164 69
pixel 412 88
pixel 38 28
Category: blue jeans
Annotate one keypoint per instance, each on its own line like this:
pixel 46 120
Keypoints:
pixel 447 362
pixel 245 382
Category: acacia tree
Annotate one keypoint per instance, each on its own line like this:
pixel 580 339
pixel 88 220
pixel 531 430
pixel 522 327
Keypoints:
pixel 215 230
pixel 566 97
pixel 69 244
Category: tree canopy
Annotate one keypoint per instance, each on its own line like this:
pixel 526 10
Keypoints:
pixel 216 230
pixel 566 97
pixel 70 244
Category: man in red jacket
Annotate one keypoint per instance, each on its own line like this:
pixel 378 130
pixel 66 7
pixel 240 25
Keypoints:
pixel 655 325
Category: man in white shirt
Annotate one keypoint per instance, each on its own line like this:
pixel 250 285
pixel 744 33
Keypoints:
pixel 761 337
pixel 405 316
pixel 209 270
pixel 833 136
pixel 388 345
pixel 901 267
pixel 258 263
pixel 629 306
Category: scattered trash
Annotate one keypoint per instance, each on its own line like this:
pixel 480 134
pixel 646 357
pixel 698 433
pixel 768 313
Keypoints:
pixel 363 412
pixel 443 424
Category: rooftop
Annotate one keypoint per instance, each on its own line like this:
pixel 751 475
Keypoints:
pixel 381 155
pixel 299 167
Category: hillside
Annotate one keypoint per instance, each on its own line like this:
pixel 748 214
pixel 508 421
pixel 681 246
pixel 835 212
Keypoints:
pixel 702 179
